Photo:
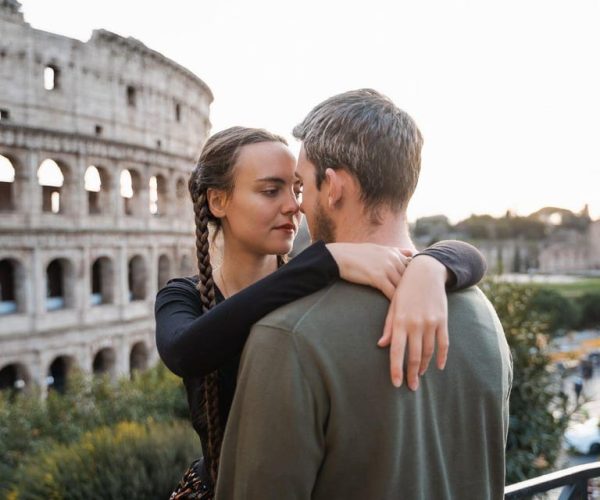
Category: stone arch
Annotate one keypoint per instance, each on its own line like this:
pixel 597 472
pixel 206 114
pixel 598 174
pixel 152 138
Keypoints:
pixel 138 357
pixel 51 77
pixel 185 266
pixel 130 186
pixel 102 281
pixel 12 286
pixel 164 270
pixel 60 284
pixel 136 275
pixel 181 195
pixel 14 377
pixel 59 372
pixel 98 187
pixel 7 183
pixel 53 179
pixel 158 195
pixel 104 362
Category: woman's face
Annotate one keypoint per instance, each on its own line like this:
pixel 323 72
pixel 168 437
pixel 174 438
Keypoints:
pixel 262 214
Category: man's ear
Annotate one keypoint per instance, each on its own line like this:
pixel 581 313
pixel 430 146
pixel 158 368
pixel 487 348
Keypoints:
pixel 217 202
pixel 334 182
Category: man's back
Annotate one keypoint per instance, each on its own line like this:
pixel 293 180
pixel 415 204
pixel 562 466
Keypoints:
pixel 316 416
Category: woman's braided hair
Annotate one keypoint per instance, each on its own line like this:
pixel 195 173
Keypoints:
pixel 215 170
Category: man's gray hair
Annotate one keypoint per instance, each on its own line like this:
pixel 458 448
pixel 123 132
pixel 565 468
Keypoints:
pixel 365 133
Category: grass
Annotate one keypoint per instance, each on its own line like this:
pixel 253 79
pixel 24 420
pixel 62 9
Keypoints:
pixel 573 290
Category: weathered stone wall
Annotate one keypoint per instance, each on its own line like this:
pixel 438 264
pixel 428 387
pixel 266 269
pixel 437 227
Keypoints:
pixel 90 118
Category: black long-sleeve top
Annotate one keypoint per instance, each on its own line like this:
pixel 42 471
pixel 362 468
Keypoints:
pixel 193 344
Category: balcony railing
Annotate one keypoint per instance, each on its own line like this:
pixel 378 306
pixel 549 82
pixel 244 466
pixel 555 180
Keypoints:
pixel 573 481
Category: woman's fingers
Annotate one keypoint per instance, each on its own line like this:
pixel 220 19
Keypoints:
pixel 415 349
pixel 397 349
pixel 428 346
pixel 386 338
pixel 443 342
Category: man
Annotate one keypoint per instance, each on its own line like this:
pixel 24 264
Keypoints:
pixel 315 415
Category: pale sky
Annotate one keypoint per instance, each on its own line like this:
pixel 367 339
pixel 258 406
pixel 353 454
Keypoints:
pixel 506 93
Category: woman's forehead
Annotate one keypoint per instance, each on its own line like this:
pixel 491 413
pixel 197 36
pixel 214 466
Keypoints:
pixel 265 160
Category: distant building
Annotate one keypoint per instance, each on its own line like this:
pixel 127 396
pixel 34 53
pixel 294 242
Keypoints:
pixel 572 252
pixel 97 141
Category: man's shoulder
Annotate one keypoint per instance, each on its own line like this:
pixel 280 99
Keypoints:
pixel 472 303
pixel 341 298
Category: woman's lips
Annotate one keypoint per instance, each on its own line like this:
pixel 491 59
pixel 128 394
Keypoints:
pixel 287 227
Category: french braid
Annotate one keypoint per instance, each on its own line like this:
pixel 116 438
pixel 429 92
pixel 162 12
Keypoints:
pixel 206 287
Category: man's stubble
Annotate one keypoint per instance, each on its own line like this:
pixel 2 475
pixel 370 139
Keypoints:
pixel 324 227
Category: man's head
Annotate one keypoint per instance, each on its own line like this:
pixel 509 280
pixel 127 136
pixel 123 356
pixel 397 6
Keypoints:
pixel 365 153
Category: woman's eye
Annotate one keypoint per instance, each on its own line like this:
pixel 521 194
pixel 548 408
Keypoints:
pixel 270 192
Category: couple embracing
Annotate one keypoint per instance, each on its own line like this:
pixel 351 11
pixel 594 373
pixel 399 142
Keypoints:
pixel 300 405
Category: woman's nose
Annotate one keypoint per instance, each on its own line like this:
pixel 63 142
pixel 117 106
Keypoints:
pixel 292 205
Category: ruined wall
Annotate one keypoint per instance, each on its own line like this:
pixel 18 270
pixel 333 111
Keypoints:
pixel 120 107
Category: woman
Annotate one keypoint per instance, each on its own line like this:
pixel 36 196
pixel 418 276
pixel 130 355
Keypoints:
pixel 245 186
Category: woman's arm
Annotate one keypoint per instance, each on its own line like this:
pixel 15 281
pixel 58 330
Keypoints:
pixel 191 343
pixel 417 319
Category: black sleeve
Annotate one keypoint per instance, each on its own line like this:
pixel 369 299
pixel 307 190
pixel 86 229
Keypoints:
pixel 465 263
pixel 191 343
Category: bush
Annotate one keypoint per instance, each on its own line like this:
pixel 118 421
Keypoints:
pixel 29 424
pixel 559 311
pixel 538 407
pixel 589 304
pixel 128 461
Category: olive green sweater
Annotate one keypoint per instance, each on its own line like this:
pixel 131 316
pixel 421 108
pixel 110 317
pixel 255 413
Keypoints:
pixel 316 416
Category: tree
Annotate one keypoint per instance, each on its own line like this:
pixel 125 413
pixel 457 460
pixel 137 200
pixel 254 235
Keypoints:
pixel 558 310
pixel 590 309
pixel 538 407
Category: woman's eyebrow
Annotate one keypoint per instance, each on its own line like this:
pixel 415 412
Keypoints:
pixel 277 180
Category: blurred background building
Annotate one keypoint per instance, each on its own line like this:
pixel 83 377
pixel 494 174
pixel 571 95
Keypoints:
pixel 97 140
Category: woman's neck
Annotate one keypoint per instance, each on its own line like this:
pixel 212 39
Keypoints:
pixel 240 269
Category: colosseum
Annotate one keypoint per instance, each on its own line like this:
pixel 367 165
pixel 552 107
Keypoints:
pixel 97 140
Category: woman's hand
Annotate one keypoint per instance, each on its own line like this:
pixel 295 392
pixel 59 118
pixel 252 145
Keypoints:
pixel 417 320
pixel 369 264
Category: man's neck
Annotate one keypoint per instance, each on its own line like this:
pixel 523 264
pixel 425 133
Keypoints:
pixel 393 230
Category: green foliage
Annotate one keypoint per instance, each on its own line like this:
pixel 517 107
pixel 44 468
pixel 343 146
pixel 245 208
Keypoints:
pixel 559 311
pixel 538 408
pixel 589 304
pixel 128 461
pixel 29 424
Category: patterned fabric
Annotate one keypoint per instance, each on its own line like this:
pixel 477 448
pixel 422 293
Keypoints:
pixel 194 484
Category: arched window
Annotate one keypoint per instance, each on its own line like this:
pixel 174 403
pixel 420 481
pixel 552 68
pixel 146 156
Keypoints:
pixel 59 285
pixel 93 186
pixel 7 180
pixel 158 195
pixel 181 193
pixel 14 377
pixel 137 278
pixel 51 179
pixel 130 185
pixel 59 372
pixel 164 270
pixel 138 358
pixel 8 295
pixel 185 267
pixel 104 362
pixel 102 282
pixel 51 77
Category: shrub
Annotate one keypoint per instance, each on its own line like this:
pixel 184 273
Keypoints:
pixel 128 461
pixel 590 309
pixel 538 407
pixel 28 424
pixel 559 311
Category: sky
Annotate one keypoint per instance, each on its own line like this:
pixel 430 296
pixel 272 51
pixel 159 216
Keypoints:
pixel 506 93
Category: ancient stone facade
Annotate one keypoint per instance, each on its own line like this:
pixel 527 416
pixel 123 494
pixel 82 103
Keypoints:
pixel 97 140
